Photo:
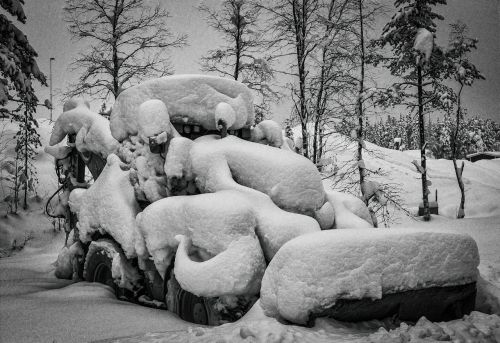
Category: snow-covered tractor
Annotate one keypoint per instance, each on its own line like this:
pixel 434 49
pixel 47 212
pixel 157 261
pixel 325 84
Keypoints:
pixel 180 202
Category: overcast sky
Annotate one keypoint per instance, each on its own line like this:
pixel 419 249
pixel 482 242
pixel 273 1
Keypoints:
pixel 48 34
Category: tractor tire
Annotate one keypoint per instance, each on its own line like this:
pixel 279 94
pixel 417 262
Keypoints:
pixel 98 264
pixel 186 305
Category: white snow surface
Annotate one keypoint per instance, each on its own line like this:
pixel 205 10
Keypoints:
pixel 109 206
pixel 357 264
pixel 92 130
pixel 65 264
pixel 291 180
pixel 268 132
pixel 481 179
pixel 63 312
pixel 424 43
pixel 153 119
pixel 237 271
pixel 350 211
pixel 212 221
pixel 189 99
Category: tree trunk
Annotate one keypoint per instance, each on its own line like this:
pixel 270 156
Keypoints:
pixel 360 132
pixel 300 21
pixel 459 173
pixel 425 191
pixel 25 202
pixel 238 42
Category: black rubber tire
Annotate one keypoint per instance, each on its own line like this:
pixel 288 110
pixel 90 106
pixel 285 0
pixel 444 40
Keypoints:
pixel 98 268
pixel 193 308
pixel 187 306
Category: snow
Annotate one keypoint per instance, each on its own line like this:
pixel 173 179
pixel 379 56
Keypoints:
pixel 177 167
pixel 124 275
pixel 67 260
pixel 58 152
pixel 109 206
pixel 146 168
pixel 476 327
pixel 189 99
pixel 242 269
pixel 268 132
pixel 292 181
pixel 359 266
pixel 64 312
pixel 92 130
pixel 153 119
pixel 212 221
pixel 350 211
pixel 224 113
pixel 35 306
pixel 424 43
pixel 481 179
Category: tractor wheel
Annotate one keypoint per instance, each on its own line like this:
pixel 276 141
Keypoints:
pixel 193 308
pixel 186 305
pixel 98 264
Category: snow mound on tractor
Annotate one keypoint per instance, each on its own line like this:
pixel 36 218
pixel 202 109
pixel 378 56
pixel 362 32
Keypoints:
pixel 290 180
pixel 92 130
pixel 358 264
pixel 108 207
pixel 191 99
pixel 243 264
pixel 212 221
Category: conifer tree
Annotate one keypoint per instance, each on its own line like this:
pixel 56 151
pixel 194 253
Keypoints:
pixel 18 69
pixel 417 60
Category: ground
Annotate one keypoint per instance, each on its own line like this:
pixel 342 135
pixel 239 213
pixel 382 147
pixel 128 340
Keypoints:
pixel 37 307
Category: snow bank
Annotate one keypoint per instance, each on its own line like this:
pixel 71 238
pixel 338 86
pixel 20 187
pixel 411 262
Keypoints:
pixel 92 130
pixel 481 178
pixel 476 327
pixel 189 99
pixel 108 206
pixel 361 264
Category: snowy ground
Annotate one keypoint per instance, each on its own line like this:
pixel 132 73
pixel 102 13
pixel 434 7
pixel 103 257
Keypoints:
pixel 37 307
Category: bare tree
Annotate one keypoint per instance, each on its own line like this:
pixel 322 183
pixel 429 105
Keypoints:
pixel 331 82
pixel 464 73
pixel 242 56
pixel 128 42
pixel 294 27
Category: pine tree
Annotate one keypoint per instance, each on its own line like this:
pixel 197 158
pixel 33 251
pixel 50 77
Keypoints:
pixel 18 69
pixel 417 60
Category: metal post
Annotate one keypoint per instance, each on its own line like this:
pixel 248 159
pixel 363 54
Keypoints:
pixel 51 103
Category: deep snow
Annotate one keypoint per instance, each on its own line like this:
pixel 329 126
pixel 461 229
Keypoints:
pixel 35 306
